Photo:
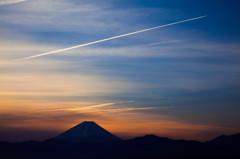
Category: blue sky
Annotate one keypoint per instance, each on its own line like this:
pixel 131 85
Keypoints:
pixel 191 79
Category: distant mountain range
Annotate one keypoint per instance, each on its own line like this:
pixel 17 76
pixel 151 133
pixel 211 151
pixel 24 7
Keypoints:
pixel 89 141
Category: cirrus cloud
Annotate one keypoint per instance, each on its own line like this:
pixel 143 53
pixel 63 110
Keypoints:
pixel 5 2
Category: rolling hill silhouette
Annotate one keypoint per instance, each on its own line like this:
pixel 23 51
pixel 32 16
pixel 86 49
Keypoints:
pixel 88 145
pixel 226 140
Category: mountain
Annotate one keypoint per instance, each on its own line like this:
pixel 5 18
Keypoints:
pixel 87 131
pixel 146 147
pixel 226 140
pixel 152 146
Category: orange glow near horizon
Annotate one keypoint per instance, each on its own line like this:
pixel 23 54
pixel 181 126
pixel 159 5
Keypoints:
pixel 124 122
pixel 41 104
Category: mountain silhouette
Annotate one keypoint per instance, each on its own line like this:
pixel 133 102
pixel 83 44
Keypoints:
pixel 226 140
pixel 87 131
pixel 89 141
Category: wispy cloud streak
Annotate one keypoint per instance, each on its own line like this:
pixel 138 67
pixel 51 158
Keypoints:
pixel 5 2
pixel 162 42
pixel 107 39
pixel 102 108
pixel 83 108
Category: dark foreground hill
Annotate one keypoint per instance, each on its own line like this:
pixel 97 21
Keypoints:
pixel 147 147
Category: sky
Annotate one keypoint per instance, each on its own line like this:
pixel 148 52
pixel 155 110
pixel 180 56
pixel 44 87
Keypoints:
pixel 181 81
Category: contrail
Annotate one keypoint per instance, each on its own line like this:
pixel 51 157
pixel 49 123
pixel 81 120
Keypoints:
pixel 162 42
pixel 115 37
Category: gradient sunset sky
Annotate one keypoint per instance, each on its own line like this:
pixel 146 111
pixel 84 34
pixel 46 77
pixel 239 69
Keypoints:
pixel 181 81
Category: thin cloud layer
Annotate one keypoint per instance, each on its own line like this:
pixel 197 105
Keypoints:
pixel 5 2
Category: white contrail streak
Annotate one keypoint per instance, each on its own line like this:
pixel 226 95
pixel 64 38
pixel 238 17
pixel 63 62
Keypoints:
pixel 162 42
pixel 115 37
